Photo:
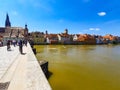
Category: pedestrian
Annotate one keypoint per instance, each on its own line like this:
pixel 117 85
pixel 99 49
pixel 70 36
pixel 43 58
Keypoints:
pixel 14 43
pixel 0 43
pixel 20 46
pixel 25 42
pixel 8 45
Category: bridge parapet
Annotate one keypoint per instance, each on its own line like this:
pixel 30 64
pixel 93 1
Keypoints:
pixel 36 79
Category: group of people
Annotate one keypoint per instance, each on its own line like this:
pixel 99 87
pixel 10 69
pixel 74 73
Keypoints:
pixel 19 43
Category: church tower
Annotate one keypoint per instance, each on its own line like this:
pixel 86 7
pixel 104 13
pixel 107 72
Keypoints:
pixel 26 31
pixel 66 31
pixel 46 32
pixel 7 21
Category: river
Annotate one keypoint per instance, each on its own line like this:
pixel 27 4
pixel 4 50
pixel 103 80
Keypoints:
pixel 82 67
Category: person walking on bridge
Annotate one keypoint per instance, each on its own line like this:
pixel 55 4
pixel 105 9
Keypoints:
pixel 21 46
pixel 8 45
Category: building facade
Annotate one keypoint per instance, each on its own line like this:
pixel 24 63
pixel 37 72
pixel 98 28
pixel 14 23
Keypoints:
pixel 12 33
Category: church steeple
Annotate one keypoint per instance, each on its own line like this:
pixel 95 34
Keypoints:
pixel 26 31
pixel 7 21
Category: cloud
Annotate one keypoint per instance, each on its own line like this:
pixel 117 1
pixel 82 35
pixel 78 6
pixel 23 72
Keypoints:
pixel 97 29
pixel 94 29
pixel 101 13
pixel 91 29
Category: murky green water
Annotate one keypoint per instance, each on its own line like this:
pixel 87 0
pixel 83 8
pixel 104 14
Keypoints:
pixel 82 67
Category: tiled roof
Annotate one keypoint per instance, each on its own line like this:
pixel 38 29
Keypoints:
pixel 64 35
pixel 52 36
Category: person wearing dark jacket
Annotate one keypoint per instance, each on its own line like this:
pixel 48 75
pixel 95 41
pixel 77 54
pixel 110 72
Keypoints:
pixel 8 45
pixel 21 46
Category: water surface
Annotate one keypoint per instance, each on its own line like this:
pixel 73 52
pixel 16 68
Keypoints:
pixel 82 67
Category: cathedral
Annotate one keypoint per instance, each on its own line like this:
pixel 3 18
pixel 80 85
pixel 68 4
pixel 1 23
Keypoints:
pixel 10 33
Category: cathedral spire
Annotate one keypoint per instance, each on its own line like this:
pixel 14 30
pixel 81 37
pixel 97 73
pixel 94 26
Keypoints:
pixel 7 21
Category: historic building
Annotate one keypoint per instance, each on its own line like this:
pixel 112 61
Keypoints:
pixel 10 33
pixel 37 37
pixel 65 38
pixel 87 39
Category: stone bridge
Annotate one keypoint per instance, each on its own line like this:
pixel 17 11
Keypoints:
pixel 21 72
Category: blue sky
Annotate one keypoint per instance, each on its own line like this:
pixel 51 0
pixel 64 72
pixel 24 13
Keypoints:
pixel 78 16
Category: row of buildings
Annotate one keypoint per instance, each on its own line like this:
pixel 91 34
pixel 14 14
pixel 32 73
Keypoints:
pixel 66 38
pixel 16 33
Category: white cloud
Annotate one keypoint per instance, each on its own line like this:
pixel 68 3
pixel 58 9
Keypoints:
pixel 101 13
pixel 91 29
pixel 97 29
pixel 94 29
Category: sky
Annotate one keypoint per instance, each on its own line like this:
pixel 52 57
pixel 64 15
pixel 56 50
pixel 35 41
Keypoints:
pixel 99 17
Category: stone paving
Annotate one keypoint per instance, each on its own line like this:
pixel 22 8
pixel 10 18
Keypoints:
pixel 22 71
pixel 7 58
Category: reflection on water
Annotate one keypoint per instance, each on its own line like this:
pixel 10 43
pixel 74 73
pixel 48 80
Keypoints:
pixel 83 67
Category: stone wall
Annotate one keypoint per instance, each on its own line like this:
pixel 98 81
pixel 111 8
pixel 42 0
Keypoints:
pixel 36 78
pixel 44 66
